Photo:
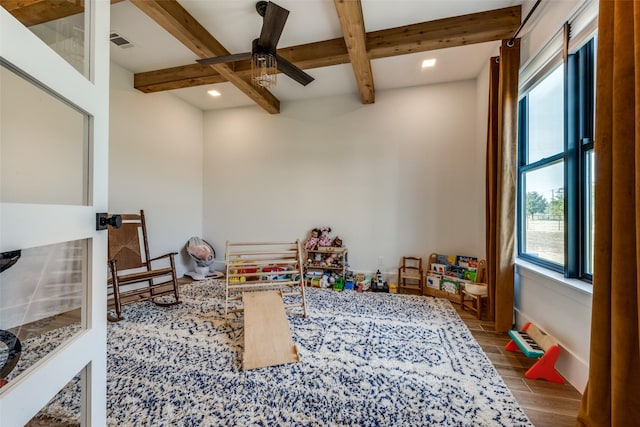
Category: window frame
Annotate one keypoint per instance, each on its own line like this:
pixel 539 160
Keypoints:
pixel 579 107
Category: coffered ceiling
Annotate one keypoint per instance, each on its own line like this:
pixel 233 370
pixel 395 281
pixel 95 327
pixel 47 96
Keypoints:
pixel 349 46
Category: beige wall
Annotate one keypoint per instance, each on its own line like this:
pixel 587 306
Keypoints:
pixel 402 176
pixel 155 164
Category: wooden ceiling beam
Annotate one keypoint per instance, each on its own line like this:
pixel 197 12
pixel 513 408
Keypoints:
pixel 34 12
pixel 307 56
pixel 462 30
pixel 171 16
pixel 492 25
pixel 352 23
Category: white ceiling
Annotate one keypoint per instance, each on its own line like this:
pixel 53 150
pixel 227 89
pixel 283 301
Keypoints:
pixel 235 23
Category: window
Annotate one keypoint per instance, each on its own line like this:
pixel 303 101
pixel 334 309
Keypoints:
pixel 556 167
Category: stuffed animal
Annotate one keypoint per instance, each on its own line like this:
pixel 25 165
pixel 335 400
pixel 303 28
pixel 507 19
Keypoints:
pixel 325 240
pixel 337 242
pixel 312 242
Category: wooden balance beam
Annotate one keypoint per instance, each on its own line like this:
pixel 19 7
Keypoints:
pixel 267 337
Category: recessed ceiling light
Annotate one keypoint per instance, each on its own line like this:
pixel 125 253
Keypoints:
pixel 213 92
pixel 429 63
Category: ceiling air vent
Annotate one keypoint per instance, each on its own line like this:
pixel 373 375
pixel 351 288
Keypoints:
pixel 120 41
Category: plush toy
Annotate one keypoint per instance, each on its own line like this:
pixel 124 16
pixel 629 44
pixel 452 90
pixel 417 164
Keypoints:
pixel 325 240
pixel 337 242
pixel 312 242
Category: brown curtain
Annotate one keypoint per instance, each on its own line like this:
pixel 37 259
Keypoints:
pixel 613 390
pixel 501 178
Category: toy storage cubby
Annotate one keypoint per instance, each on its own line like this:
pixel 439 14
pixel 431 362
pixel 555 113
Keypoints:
pixel 325 260
pixel 446 275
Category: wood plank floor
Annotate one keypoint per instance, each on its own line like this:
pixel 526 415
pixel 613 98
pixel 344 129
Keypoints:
pixel 546 404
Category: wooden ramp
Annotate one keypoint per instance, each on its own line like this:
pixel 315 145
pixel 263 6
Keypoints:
pixel 267 337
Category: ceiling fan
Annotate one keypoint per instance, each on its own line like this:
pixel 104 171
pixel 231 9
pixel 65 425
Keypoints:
pixel 263 55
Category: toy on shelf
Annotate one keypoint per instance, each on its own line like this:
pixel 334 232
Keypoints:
pixel 536 344
pixel 312 242
pixel 325 240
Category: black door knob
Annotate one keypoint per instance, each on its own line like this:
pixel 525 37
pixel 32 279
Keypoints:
pixel 103 220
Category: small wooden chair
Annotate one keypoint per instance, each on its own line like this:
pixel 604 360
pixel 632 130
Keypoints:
pixel 473 296
pixel 130 263
pixel 410 274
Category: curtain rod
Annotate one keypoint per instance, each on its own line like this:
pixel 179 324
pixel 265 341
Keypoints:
pixel 512 39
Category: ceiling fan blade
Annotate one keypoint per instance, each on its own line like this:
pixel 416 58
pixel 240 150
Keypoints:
pixel 224 59
pixel 272 26
pixel 292 71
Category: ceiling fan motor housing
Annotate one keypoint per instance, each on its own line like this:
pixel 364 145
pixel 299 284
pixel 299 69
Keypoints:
pixel 256 48
pixel 261 7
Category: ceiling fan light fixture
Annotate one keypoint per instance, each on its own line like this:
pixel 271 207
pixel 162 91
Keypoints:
pixel 264 69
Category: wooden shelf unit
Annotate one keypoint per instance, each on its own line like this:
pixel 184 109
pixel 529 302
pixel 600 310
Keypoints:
pixel 316 260
pixel 261 266
pixel 439 293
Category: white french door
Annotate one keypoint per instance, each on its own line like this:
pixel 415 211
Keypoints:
pixel 53 151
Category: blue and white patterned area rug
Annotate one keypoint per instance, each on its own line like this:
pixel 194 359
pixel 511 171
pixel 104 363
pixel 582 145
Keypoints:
pixel 366 359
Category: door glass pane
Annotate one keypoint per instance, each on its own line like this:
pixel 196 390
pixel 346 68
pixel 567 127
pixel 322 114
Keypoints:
pixel 589 211
pixel 64 410
pixel 43 145
pixel 546 117
pixel 61 26
pixel 544 218
pixel 41 302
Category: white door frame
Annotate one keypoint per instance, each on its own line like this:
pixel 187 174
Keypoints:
pixel 32 225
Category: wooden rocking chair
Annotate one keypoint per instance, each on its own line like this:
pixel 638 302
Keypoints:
pixel 127 245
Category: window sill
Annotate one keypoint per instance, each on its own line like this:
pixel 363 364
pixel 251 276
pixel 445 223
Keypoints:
pixel 530 269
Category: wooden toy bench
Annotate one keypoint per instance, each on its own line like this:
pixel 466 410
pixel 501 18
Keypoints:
pixel 536 344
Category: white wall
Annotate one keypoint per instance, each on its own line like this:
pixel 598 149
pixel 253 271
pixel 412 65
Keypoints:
pixel 561 310
pixel 155 164
pixel 544 298
pixel 402 176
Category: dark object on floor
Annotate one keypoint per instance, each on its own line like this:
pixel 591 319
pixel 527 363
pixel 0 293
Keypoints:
pixel 129 250
pixel 7 259
pixel 379 285
pixel 13 351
